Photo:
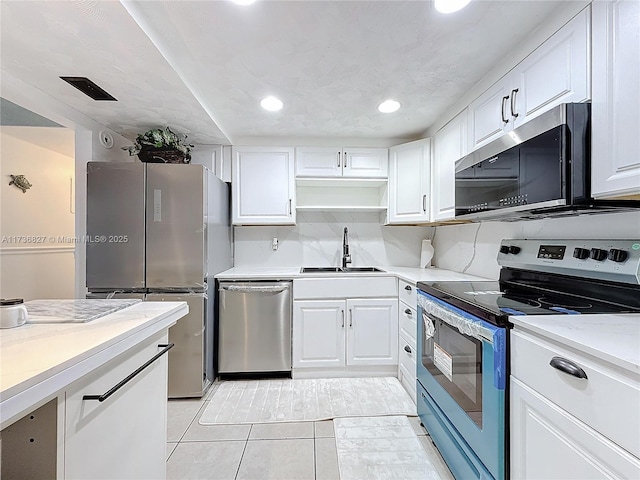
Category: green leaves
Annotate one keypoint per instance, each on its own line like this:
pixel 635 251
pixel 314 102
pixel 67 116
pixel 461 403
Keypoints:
pixel 159 138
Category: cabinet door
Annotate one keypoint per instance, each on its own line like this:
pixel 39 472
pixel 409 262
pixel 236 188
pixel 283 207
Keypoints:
pixel 125 435
pixel 450 145
pixel 547 442
pixel 489 114
pixel 365 162
pixel 557 72
pixel 615 141
pixel 318 333
pixel 319 162
pixel 263 186
pixel 409 182
pixel 372 332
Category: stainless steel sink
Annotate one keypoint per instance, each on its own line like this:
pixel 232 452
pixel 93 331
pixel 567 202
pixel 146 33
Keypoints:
pixel 339 269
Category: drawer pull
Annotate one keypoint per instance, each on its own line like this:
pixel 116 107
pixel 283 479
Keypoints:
pixel 407 348
pixel 567 366
pixel 104 396
pixel 407 288
pixel 407 311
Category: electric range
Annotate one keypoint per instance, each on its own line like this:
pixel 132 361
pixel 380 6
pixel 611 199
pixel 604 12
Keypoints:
pixel 463 341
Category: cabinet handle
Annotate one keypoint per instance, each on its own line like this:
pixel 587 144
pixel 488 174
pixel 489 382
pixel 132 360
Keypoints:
pixel 424 203
pixel 504 120
pixel 513 101
pixel 567 366
pixel 342 311
pixel 407 288
pixel 407 348
pixel 350 318
pixel 104 396
pixel 407 311
pixel 289 207
pixel 338 159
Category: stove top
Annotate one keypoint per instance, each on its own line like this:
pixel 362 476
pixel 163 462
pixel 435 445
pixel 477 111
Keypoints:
pixel 495 301
pixel 550 277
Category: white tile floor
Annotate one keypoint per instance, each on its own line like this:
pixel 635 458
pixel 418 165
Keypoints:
pixel 278 451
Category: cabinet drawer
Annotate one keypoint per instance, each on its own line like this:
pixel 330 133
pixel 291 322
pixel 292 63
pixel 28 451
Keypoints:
pixel 407 293
pixel 607 400
pixel 407 367
pixel 347 287
pixel 407 320
pixel 137 412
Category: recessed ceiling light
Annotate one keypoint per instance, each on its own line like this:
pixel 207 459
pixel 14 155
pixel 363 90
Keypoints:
pixel 389 106
pixel 243 2
pixel 450 6
pixel 272 104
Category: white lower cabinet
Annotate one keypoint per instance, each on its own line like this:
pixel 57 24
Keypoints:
pixel 565 426
pixel 349 332
pixel 125 435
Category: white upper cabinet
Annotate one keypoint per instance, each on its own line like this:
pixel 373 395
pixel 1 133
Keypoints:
pixel 556 72
pixel 409 182
pixel 330 162
pixel 615 137
pixel 263 186
pixel 449 146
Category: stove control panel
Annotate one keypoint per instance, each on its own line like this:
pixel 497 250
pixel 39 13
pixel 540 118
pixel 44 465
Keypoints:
pixel 613 260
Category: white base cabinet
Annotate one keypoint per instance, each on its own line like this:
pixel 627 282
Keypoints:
pixel 570 426
pixel 339 333
pixel 125 435
pixel 615 141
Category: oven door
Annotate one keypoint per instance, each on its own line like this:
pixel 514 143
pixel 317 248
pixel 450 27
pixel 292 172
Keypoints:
pixel 462 368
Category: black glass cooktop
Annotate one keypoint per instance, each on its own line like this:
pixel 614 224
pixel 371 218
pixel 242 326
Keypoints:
pixel 495 301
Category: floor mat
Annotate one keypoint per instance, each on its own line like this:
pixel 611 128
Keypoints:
pixel 287 400
pixel 381 448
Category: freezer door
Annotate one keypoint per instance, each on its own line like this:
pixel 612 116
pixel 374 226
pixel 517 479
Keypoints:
pixel 187 372
pixel 115 225
pixel 176 235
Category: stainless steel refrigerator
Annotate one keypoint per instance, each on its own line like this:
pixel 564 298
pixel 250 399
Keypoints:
pixel 161 232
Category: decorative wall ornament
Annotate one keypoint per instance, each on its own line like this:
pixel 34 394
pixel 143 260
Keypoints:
pixel 21 182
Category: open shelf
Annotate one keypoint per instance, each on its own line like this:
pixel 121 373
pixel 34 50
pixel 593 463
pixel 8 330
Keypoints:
pixel 341 194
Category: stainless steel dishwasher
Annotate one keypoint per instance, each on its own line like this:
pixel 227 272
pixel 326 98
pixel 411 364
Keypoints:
pixel 255 327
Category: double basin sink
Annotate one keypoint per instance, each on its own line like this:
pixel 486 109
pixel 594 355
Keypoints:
pixel 339 269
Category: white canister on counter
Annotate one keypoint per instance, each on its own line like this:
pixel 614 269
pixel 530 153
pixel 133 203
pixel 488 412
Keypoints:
pixel 13 312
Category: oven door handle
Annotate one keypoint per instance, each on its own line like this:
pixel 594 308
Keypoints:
pixel 462 324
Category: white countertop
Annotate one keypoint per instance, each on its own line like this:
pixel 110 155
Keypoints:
pixel 408 274
pixel 614 337
pixel 39 360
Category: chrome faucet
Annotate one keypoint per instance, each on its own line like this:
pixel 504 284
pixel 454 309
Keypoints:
pixel 346 256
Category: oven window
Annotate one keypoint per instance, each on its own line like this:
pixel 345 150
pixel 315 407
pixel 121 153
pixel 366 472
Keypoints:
pixel 455 362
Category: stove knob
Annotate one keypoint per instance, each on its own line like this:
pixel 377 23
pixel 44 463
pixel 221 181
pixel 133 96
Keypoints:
pixel 514 250
pixel 598 254
pixel 504 249
pixel 581 253
pixel 618 255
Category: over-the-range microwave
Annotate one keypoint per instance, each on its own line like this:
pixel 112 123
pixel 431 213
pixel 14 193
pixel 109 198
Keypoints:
pixel 542 168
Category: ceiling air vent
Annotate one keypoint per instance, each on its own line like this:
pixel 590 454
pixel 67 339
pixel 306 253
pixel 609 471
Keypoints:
pixel 89 88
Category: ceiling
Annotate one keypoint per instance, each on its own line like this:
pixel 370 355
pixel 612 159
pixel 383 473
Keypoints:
pixel 202 67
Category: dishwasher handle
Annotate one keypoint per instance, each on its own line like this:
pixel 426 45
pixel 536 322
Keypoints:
pixel 255 288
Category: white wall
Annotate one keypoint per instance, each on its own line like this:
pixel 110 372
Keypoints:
pixel 40 265
pixel 473 248
pixel 316 240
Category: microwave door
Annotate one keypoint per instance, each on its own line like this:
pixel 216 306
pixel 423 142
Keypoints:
pixel 543 168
